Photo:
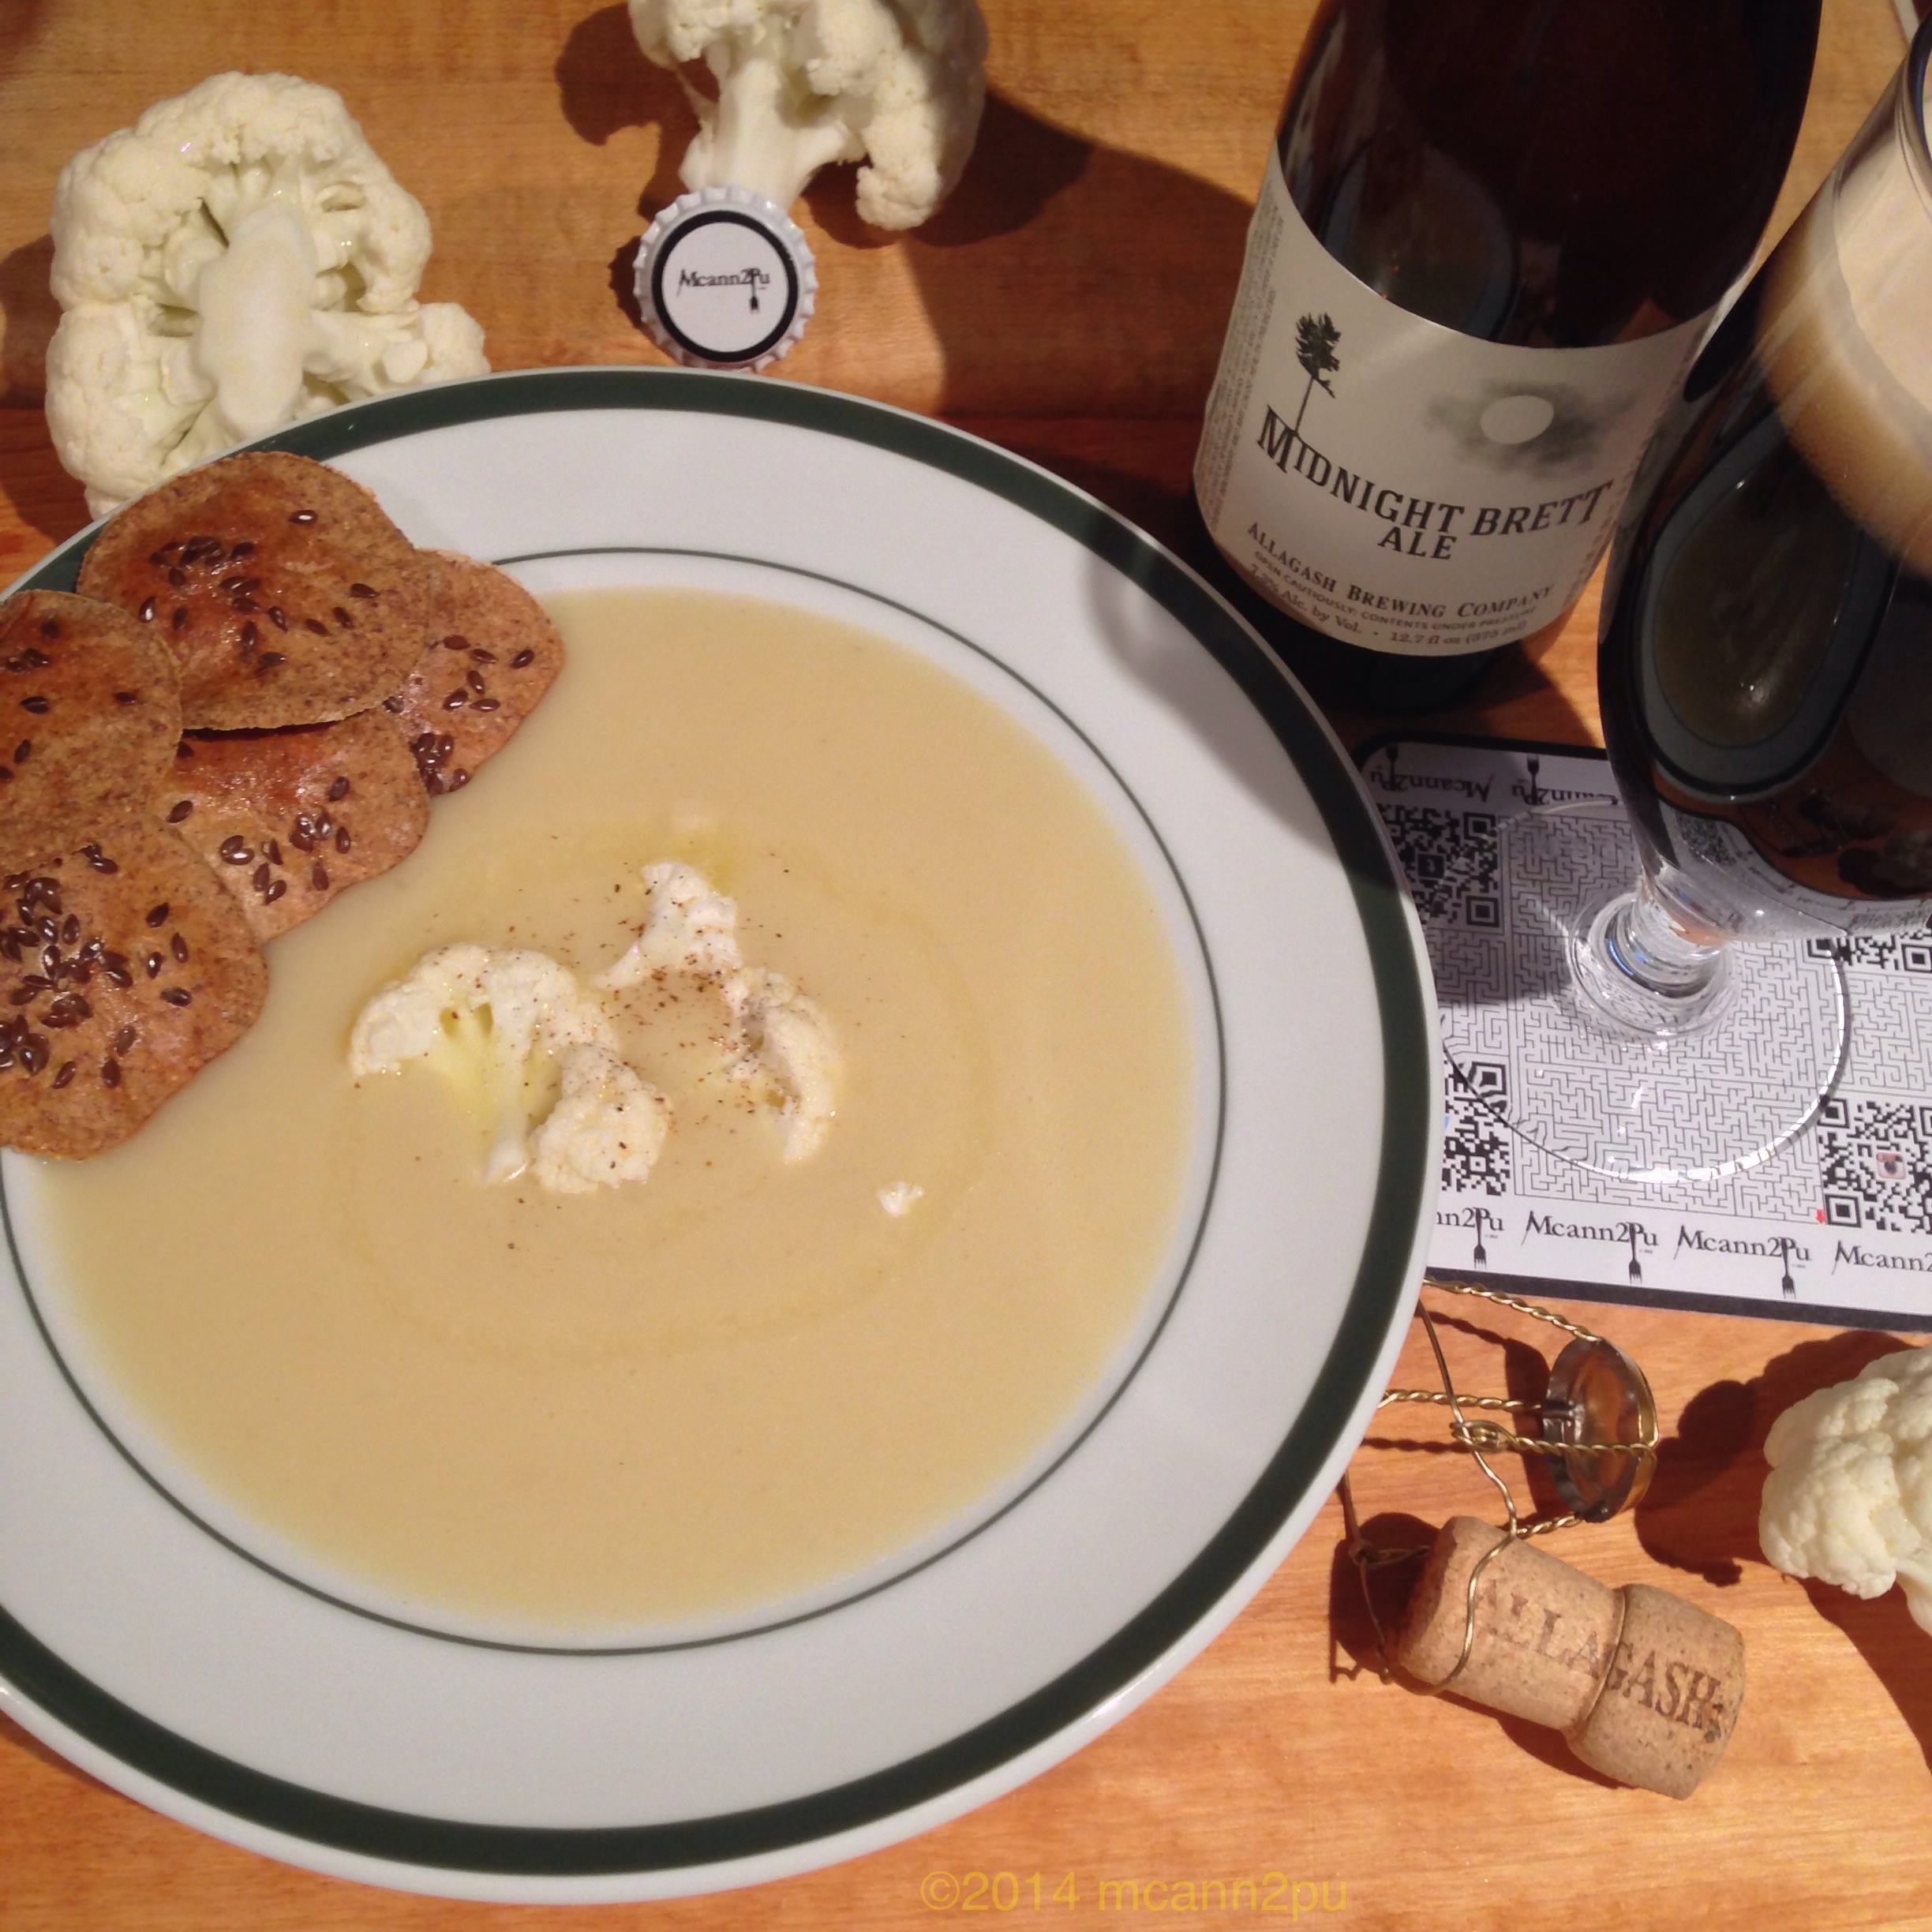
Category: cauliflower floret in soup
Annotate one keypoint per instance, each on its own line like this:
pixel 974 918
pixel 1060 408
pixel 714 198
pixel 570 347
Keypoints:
pixel 609 1124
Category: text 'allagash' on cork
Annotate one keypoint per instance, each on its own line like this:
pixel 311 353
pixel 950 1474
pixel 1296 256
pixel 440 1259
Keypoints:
pixel 1644 1687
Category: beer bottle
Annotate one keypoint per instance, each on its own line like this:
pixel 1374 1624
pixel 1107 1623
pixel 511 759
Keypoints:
pixel 1490 238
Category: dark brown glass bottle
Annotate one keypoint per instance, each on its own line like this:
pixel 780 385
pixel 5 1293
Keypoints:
pixel 1491 235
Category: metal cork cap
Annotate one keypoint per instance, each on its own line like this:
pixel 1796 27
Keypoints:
pixel 725 279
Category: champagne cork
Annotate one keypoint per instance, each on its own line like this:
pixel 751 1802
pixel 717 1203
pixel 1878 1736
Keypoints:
pixel 1645 1687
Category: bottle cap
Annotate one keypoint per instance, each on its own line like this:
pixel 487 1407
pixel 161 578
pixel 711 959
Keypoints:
pixel 725 279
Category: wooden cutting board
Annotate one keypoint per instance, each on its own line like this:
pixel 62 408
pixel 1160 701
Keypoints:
pixel 1069 302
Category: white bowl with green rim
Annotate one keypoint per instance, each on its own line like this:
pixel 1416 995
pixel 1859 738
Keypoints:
pixel 184 1663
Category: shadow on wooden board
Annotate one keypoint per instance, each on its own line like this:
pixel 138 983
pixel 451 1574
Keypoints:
pixel 20 22
pixel 1700 1514
pixel 606 84
pixel 1019 163
pixel 1146 253
pixel 45 498
pixel 1351 1632
pixel 27 314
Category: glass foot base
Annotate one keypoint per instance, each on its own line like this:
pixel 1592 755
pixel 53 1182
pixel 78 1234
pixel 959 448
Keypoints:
pixel 1607 962
pixel 1736 1071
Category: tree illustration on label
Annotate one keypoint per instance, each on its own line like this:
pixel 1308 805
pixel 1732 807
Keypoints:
pixel 1315 340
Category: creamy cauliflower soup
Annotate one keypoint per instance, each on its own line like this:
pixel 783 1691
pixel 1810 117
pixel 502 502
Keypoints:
pixel 744 1375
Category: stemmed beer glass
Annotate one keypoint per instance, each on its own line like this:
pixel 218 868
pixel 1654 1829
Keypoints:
pixel 1765 672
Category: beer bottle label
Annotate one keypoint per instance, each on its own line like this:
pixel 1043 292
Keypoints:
pixel 1400 485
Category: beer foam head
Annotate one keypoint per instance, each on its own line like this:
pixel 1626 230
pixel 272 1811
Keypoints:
pixel 1845 335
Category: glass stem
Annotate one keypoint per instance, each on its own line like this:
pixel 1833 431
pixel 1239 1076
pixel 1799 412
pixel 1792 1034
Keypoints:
pixel 1646 944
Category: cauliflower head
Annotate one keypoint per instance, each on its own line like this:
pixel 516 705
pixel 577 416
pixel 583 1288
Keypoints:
pixel 238 260
pixel 1849 1497
pixel 897 83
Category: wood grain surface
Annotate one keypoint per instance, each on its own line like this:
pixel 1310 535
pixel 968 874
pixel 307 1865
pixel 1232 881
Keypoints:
pixel 1068 304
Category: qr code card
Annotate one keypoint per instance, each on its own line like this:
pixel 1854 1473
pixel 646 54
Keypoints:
pixel 1836 1226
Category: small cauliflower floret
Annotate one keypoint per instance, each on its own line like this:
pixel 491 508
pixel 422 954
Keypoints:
pixel 607 1126
pixel 1849 1497
pixel 688 928
pixel 238 260
pixel 803 83
pixel 528 994
pixel 772 1031
pixel 788 1041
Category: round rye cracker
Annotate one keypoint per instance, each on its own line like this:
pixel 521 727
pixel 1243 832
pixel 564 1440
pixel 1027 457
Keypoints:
pixel 284 593
pixel 125 969
pixel 287 819
pixel 493 654
pixel 90 708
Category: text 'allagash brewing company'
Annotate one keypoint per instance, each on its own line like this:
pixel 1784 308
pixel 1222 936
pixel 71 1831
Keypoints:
pixel 1485 249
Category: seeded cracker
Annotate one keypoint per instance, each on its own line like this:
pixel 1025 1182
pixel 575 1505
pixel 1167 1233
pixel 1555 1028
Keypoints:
pixel 125 969
pixel 287 819
pixel 284 594
pixel 90 708
pixel 495 653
